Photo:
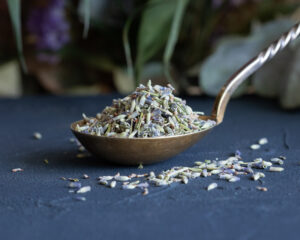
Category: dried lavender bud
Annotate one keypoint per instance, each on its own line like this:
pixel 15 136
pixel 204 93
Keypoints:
pixel 122 178
pixel 85 176
pixel 80 198
pixel 276 169
pixel 113 184
pixel 263 141
pixel 255 146
pixel 84 189
pixel 37 135
pixel 17 170
pixel 212 186
pixel 74 185
pixel 140 166
pixel 129 186
pixel 263 189
pixel 145 192
pixel 234 179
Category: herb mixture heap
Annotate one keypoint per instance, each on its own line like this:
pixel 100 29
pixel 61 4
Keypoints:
pixel 150 111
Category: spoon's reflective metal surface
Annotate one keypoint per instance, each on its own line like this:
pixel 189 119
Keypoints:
pixel 149 150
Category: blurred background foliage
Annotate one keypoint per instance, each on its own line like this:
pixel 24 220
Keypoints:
pixel 102 46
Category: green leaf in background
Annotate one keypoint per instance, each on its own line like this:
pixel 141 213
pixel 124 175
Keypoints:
pixel 124 83
pixel 289 96
pixel 281 76
pixel 265 82
pixel 10 79
pixel 233 52
pixel 173 37
pixel 153 31
pixel 127 49
pixel 86 5
pixel 14 7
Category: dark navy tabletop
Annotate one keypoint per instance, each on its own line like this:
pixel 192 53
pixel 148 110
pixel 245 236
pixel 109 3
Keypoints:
pixel 36 203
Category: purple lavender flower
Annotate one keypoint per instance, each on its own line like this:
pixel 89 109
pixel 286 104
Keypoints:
pixel 49 26
pixel 238 154
pixel 234 3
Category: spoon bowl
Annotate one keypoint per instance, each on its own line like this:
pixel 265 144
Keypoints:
pixel 133 151
pixel 150 150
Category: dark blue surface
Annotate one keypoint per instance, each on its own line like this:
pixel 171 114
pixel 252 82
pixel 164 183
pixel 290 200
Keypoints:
pixel 35 204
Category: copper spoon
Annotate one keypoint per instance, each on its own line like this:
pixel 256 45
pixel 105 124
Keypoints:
pixel 132 151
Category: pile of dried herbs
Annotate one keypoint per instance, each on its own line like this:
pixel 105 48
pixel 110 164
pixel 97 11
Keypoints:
pixel 150 111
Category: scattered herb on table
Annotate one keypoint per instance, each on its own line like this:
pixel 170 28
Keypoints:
pixel 37 135
pixel 81 148
pixel 255 146
pixel 212 186
pixel 74 185
pixel 113 184
pixel 80 198
pixel 84 189
pixel 140 166
pixel 146 191
pixel 73 179
pixel 263 189
pixel 85 176
pixel 276 169
pixel 17 170
pixel 263 141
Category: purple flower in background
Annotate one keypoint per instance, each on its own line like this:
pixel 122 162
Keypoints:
pixel 49 26
pixel 234 3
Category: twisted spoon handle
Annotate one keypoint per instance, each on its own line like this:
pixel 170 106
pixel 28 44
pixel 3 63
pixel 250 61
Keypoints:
pixel 250 67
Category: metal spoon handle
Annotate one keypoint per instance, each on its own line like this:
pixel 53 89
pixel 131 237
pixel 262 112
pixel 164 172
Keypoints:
pixel 250 67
